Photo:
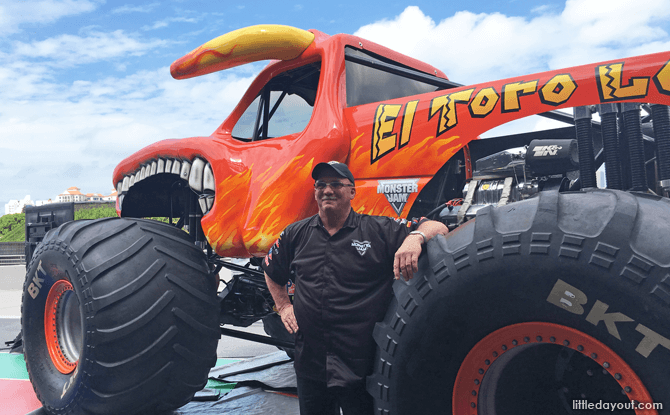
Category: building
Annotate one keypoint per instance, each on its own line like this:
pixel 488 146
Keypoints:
pixel 94 197
pixel 72 194
pixel 97 197
pixel 16 206
pixel 111 197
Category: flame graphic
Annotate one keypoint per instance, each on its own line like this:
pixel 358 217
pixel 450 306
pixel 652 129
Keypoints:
pixel 232 196
pixel 277 209
pixel 281 195
pixel 197 60
pixel 428 157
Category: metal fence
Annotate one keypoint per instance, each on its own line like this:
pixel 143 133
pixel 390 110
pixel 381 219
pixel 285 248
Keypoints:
pixel 12 253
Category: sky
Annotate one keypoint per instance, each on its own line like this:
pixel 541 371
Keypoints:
pixel 86 83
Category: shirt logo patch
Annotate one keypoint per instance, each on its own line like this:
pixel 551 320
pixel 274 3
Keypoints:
pixel 397 192
pixel 361 247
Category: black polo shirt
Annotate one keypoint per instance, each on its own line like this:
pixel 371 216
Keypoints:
pixel 342 287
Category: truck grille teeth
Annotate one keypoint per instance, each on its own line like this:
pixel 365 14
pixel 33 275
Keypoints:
pixel 198 173
pixel 185 170
pixel 208 179
pixel 195 177
pixel 176 167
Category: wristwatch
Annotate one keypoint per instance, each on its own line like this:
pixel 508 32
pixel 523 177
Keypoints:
pixel 419 233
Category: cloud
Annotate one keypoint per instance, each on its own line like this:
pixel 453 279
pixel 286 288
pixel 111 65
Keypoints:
pixel 478 47
pixel 72 171
pixel 14 14
pixel 471 47
pixel 129 8
pixel 71 50
pixel 75 134
pixel 81 130
pixel 544 8
pixel 166 22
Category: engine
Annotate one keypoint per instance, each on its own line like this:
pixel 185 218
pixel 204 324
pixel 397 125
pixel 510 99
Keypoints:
pixel 513 175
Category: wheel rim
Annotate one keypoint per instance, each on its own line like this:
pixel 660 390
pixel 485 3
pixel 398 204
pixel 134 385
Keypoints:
pixel 63 326
pixel 522 364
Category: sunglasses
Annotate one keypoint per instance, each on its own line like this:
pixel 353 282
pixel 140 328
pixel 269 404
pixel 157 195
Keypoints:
pixel 333 185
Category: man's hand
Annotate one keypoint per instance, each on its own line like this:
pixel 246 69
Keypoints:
pixel 288 318
pixel 406 261
pixel 283 304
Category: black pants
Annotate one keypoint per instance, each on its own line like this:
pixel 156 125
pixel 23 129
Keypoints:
pixel 317 399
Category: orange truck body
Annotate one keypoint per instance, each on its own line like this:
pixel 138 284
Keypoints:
pixel 263 186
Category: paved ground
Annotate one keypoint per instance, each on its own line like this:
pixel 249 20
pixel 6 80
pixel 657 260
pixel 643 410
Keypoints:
pixel 11 277
pixel 11 285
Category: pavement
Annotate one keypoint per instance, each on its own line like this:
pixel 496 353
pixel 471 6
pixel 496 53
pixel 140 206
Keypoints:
pixel 11 285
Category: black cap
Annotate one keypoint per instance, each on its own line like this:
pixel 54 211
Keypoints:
pixel 340 169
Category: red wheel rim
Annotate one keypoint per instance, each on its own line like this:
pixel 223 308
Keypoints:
pixel 487 351
pixel 52 329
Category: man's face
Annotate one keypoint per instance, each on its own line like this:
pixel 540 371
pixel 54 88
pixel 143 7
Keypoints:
pixel 331 200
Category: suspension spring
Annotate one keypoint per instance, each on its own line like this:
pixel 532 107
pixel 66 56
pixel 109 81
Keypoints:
pixel 638 172
pixel 661 117
pixel 610 132
pixel 587 174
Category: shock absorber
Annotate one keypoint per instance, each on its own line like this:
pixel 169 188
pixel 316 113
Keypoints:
pixel 587 173
pixel 610 131
pixel 661 118
pixel 631 120
pixel 623 153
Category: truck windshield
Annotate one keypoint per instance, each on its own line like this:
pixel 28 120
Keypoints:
pixel 372 78
pixel 284 105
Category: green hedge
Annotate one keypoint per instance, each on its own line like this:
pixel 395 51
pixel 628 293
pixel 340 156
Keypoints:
pixel 95 213
pixel 13 227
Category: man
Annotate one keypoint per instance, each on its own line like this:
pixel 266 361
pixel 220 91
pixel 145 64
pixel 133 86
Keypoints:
pixel 342 263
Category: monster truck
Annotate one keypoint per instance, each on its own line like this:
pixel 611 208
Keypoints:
pixel 550 291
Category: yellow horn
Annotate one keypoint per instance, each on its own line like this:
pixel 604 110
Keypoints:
pixel 241 46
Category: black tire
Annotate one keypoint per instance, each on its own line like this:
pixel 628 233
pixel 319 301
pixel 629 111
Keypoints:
pixel 274 328
pixel 487 325
pixel 132 319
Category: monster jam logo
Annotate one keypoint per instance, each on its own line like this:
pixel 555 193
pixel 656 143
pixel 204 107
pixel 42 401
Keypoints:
pixel 541 151
pixel 397 191
pixel 361 247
